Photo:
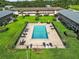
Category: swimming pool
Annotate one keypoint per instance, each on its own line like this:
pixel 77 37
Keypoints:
pixel 39 32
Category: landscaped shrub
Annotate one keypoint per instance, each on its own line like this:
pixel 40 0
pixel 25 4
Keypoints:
pixel 15 20
pixel 48 22
pixel 40 15
pixel 27 15
pixel 77 36
pixel 15 16
pixel 56 15
pixel 54 19
pixel 37 17
pixel 46 15
pixel 24 16
pixel 3 29
pixel 65 33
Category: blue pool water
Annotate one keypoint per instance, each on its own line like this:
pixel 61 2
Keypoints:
pixel 39 32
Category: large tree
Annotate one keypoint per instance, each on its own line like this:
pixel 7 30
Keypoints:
pixel 40 3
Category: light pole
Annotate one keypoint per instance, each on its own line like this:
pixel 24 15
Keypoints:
pixel 27 51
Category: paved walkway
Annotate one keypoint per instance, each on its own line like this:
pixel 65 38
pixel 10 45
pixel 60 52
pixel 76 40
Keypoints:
pixel 38 43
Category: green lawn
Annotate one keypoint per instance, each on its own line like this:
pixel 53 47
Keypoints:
pixel 8 38
pixel 74 7
pixel 46 19
pixel 41 19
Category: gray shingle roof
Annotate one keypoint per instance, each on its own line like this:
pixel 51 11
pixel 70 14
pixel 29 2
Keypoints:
pixel 71 15
pixel 5 13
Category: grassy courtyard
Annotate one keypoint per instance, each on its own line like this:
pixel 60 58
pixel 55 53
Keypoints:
pixel 8 38
pixel 41 19
pixel 74 7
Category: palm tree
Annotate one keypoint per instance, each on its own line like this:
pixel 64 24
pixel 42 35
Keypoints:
pixel 37 15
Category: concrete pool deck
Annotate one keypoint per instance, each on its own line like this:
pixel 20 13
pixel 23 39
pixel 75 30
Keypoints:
pixel 53 38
